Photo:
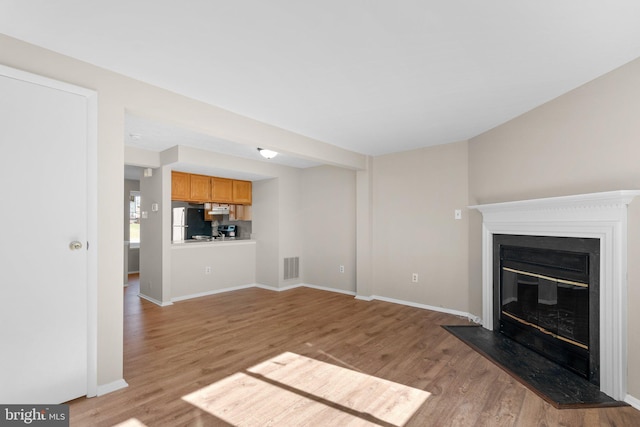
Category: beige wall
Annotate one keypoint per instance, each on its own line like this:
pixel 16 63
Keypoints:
pixel 116 95
pixel 152 234
pixel 289 223
pixel 415 195
pixel 364 231
pixel 232 265
pixel 582 142
pixel 328 213
pixel 266 229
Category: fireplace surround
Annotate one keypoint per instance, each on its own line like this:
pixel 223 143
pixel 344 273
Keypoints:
pixel 600 216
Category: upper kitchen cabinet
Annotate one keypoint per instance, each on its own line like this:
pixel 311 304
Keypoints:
pixel 200 188
pixel 221 190
pixel 180 185
pixel 242 192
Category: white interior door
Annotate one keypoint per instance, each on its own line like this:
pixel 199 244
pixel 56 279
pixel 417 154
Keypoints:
pixel 43 276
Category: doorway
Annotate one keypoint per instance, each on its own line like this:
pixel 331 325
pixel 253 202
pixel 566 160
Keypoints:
pixel 132 215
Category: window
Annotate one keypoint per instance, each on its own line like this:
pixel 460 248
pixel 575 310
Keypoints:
pixel 134 218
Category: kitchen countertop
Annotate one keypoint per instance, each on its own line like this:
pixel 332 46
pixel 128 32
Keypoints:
pixel 215 242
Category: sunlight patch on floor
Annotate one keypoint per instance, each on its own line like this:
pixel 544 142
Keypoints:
pixel 290 389
pixel 131 422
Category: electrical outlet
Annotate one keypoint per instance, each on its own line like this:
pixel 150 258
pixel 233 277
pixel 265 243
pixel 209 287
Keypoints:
pixel 457 214
pixel 414 277
pixel 207 270
pixel 342 269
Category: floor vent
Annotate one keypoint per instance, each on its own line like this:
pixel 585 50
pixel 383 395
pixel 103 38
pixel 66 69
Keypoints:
pixel 291 268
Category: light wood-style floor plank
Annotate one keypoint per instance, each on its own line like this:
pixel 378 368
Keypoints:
pixel 175 351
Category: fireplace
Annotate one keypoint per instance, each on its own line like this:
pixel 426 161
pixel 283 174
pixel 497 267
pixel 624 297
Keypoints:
pixel 546 297
pixel 599 216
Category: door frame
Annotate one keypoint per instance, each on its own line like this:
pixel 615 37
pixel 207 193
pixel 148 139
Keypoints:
pixel 92 209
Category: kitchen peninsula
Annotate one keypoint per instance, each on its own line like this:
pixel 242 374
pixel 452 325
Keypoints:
pixel 207 267
pixel 211 259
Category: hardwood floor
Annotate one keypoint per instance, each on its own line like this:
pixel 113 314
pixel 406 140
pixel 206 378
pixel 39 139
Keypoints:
pixel 193 345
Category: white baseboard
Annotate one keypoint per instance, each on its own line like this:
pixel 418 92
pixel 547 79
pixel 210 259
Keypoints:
pixel 216 291
pixel 275 288
pixel 111 387
pixel 324 288
pixel 304 285
pixel 633 401
pixel 469 316
pixel 255 285
pixel 155 301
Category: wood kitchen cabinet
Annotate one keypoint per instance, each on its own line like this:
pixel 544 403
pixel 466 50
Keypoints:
pixel 221 190
pixel 180 185
pixel 200 188
pixel 189 187
pixel 241 192
pixel 240 213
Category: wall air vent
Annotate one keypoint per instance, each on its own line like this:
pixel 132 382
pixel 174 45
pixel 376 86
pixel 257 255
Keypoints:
pixel 291 268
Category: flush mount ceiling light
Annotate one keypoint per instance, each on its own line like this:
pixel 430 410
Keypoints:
pixel 267 154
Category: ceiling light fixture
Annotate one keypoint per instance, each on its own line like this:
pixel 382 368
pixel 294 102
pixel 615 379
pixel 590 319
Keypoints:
pixel 267 154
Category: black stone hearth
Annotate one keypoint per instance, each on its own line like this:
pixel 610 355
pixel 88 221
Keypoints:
pixel 556 385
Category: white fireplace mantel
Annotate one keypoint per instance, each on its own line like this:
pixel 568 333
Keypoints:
pixel 598 215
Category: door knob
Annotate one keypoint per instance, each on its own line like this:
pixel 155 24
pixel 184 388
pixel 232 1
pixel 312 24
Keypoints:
pixel 75 245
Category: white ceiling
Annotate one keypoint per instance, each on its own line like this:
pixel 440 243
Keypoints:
pixel 370 76
pixel 152 135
